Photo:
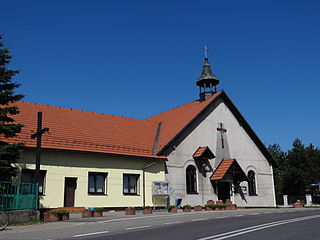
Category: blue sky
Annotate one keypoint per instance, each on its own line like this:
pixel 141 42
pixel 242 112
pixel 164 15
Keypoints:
pixel 140 58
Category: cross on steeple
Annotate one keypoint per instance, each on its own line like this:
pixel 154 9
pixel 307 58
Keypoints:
pixel 221 130
pixel 206 51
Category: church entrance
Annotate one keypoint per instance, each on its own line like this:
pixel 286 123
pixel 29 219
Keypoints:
pixel 223 191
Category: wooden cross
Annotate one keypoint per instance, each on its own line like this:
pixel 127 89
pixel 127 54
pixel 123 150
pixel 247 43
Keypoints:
pixel 206 51
pixel 38 136
pixel 222 130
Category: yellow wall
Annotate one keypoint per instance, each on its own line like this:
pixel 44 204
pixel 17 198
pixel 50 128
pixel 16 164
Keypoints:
pixel 60 164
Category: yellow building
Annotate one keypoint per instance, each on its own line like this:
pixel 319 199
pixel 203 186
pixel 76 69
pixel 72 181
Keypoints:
pixel 90 159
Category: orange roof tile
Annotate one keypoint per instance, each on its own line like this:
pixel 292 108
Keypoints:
pixel 203 152
pixel 176 119
pixel 222 169
pixel 78 130
pixel 71 129
pixel 199 152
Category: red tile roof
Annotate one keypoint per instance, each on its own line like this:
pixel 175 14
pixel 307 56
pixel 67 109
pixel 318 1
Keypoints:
pixel 203 152
pixel 222 169
pixel 78 130
pixel 176 119
pixel 86 131
pixel 199 152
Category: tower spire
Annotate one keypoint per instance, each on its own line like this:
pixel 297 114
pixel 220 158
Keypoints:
pixel 207 81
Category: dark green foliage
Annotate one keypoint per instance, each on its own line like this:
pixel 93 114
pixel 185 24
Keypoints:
pixel 297 169
pixel 9 153
pixel 59 212
pixel 97 210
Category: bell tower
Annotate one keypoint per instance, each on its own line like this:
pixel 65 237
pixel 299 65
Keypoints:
pixel 207 81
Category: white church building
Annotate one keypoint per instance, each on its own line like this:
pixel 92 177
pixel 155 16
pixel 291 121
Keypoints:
pixel 213 153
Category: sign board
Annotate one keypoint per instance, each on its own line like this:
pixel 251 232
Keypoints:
pixel 244 189
pixel 160 188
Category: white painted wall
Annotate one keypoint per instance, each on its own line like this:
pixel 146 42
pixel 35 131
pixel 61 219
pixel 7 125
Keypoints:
pixel 242 148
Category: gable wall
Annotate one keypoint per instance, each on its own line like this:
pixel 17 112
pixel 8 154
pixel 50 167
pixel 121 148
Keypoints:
pixel 241 147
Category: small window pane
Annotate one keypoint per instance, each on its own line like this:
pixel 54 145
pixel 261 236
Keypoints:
pixel 100 183
pixel 91 183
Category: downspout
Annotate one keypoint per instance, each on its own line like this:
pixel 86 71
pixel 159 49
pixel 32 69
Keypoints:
pixel 144 181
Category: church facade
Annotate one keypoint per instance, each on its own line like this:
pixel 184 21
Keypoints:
pixel 203 150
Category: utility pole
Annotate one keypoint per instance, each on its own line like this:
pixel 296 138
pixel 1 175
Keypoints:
pixel 38 136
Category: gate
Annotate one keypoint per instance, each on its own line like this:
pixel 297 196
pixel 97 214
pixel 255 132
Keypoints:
pixel 17 196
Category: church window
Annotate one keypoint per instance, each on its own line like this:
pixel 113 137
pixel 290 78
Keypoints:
pixel 191 178
pixel 252 183
pixel 130 184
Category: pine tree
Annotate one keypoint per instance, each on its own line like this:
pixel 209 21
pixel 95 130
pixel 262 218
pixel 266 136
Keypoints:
pixel 9 153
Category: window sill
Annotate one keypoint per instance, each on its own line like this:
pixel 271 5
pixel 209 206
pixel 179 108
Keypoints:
pixel 97 194
pixel 192 193
pixel 131 194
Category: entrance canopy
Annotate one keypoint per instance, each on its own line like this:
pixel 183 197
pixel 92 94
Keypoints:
pixel 229 167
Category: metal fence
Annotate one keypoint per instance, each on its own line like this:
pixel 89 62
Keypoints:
pixel 14 196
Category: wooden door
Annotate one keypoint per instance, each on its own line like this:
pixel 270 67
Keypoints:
pixel 223 191
pixel 70 186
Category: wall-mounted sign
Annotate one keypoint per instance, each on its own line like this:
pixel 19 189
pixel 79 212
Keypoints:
pixel 244 189
pixel 160 188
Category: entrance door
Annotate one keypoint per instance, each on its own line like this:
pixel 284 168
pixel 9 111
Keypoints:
pixel 70 185
pixel 223 191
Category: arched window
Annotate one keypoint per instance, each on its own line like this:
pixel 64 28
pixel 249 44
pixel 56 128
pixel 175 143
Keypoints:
pixel 252 183
pixel 191 178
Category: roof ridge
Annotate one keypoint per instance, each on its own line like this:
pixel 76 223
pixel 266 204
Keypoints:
pixel 80 110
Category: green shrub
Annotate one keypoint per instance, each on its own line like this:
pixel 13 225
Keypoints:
pixel 97 209
pixel 213 206
pixel 59 212
pixel 147 207
pixel 186 206
pixel 171 207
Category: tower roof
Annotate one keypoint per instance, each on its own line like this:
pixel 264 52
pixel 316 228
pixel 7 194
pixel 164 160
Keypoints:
pixel 207 75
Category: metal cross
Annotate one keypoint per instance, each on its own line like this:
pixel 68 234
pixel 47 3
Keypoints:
pixel 222 130
pixel 206 51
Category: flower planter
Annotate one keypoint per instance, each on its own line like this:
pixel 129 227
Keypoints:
pixel 229 202
pixel 186 210
pixel 210 202
pixel 130 211
pixel 197 208
pixel 97 214
pixel 298 204
pixel 208 209
pixel 87 214
pixel 54 218
pixel 65 217
pixel 147 211
pixel 173 210
pixel 219 202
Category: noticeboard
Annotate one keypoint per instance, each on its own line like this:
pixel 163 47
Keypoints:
pixel 160 188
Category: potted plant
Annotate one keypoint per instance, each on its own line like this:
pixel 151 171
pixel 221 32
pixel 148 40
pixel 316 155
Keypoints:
pixel 130 211
pixel 147 210
pixel 186 208
pixel 172 209
pixel 209 207
pixel 87 213
pixel 298 204
pixel 58 215
pixel 210 202
pixel 197 208
pixel 97 212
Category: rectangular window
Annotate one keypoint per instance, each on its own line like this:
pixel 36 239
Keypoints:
pixel 28 176
pixel 130 184
pixel 97 183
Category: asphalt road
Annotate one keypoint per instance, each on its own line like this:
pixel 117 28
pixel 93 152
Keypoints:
pixel 249 224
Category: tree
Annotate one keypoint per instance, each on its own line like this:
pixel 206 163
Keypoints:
pixel 9 153
pixel 278 172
